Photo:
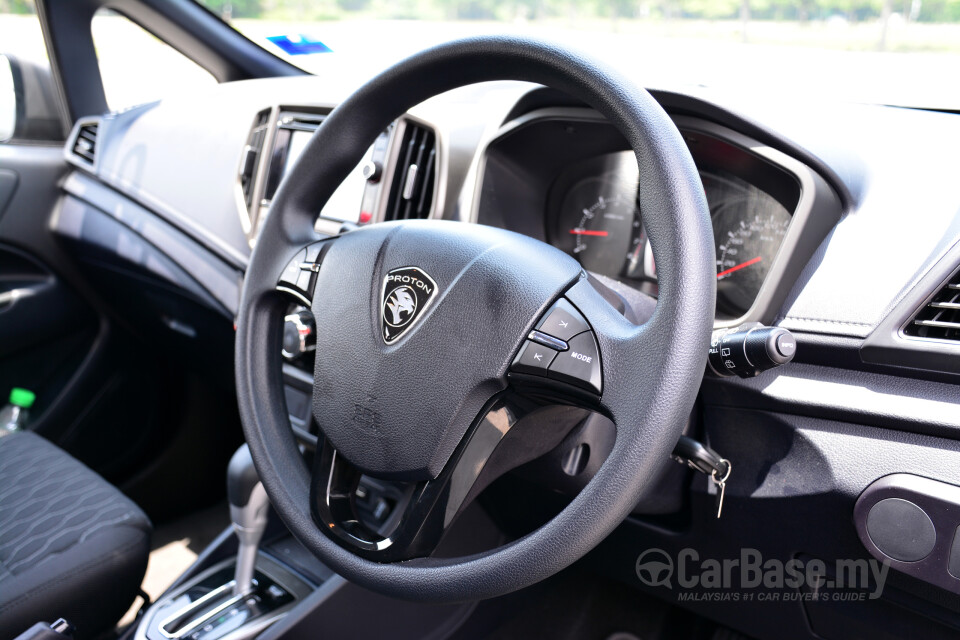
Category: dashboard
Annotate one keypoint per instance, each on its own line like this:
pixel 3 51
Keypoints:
pixel 840 223
pixel 577 184
pixel 527 158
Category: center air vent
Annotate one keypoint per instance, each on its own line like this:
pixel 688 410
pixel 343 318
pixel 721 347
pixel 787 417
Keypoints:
pixel 85 144
pixel 251 155
pixel 411 193
pixel 940 318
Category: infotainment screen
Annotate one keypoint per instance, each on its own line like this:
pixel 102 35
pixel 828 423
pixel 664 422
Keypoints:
pixel 345 203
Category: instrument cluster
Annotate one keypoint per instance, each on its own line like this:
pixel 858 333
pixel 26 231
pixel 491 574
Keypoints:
pixel 568 177
pixel 594 216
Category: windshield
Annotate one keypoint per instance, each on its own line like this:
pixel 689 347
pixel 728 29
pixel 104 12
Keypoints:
pixel 899 52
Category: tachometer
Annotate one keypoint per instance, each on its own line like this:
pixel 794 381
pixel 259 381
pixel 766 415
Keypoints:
pixel 599 224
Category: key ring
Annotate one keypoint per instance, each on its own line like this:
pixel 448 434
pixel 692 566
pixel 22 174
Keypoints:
pixel 726 476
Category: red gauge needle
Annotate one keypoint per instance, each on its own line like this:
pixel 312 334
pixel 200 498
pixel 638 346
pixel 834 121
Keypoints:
pixel 742 265
pixel 588 232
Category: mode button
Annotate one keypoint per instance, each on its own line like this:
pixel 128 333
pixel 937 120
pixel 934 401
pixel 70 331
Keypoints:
pixel 580 363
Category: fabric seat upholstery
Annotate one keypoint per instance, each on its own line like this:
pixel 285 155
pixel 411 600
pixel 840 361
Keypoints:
pixel 71 544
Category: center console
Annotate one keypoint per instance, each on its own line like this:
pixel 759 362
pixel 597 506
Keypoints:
pixel 256 576
pixel 237 597
pixel 356 200
pixel 396 178
pixel 208 608
pixel 256 580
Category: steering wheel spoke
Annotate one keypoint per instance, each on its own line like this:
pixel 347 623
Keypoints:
pixel 299 275
pixel 512 431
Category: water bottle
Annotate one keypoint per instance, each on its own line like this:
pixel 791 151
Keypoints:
pixel 13 417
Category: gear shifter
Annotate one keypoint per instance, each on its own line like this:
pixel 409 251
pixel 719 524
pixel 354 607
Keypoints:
pixel 211 606
pixel 248 511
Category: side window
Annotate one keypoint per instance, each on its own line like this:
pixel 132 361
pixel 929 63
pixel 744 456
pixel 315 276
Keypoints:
pixel 28 108
pixel 137 67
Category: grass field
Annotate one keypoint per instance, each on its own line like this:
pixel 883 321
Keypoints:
pixel 920 66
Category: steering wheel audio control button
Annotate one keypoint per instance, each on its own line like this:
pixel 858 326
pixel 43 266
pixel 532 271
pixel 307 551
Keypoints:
pixel 291 273
pixel 547 340
pixel 313 253
pixel 305 282
pixel 580 364
pixel 563 321
pixel 299 276
pixel 533 358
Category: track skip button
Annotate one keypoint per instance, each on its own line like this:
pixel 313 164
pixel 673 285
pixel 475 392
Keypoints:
pixel 533 358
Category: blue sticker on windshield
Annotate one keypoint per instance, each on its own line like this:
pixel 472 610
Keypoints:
pixel 299 45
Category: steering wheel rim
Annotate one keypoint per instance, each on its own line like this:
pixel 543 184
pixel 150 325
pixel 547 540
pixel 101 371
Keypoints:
pixel 651 376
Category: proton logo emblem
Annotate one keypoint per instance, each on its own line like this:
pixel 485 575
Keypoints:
pixel 407 292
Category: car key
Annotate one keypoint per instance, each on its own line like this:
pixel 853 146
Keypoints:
pixel 702 458
pixel 721 483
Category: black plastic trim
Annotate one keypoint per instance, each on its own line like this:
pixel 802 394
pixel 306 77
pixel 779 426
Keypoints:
pixel 680 104
pixel 938 501
pixel 106 198
pixel 889 345
pixel 210 278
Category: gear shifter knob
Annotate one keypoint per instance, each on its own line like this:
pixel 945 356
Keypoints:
pixel 248 511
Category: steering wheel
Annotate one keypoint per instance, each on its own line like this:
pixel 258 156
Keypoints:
pixel 428 331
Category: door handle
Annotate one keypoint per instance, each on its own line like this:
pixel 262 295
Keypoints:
pixel 10 297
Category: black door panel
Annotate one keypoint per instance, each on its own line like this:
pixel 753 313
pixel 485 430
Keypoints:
pixel 47 329
pixel 85 330
pixel 8 184
pixel 36 308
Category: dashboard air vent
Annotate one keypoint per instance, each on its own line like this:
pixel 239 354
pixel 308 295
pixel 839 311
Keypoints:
pixel 85 144
pixel 940 318
pixel 411 194
pixel 251 155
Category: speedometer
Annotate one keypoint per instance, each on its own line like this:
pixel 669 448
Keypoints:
pixel 748 227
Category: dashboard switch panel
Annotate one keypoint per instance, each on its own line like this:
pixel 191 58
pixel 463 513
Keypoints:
pixel 911 523
pixel 954 566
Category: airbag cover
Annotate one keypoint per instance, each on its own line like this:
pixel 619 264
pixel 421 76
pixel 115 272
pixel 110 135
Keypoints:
pixel 399 410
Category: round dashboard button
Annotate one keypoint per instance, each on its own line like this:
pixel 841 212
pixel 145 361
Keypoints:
pixel 786 345
pixel 901 530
